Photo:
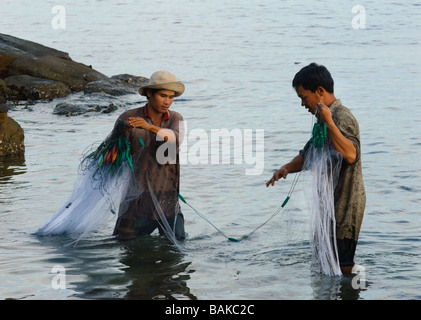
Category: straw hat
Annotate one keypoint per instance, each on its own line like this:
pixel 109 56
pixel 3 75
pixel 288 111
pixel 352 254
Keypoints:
pixel 163 80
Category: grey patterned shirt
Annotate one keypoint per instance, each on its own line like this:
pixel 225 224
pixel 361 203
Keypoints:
pixel 349 195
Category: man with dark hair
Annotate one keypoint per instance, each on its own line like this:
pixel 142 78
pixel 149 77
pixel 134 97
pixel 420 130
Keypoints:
pixel 312 76
pixel 314 86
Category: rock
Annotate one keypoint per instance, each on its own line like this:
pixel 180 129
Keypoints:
pixel 111 108
pixel 12 48
pixel 20 57
pixel 4 92
pixel 131 79
pixel 32 71
pixel 31 88
pixel 11 135
pixel 68 109
pixel 117 85
pixel 77 108
pixel 73 74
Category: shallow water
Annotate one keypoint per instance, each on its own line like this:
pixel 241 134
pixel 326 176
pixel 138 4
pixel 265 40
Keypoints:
pixel 237 61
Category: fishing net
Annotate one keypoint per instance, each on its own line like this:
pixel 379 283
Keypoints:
pixel 323 163
pixel 122 178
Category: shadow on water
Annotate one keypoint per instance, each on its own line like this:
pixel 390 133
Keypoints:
pixel 146 268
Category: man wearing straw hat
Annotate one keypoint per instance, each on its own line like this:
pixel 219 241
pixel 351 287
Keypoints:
pixel 148 128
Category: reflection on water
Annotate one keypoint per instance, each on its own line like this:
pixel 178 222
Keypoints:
pixel 11 166
pixel 103 268
pixel 337 288
pixel 156 270
pixel 239 79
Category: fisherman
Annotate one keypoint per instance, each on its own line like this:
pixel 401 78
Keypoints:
pixel 314 86
pixel 157 173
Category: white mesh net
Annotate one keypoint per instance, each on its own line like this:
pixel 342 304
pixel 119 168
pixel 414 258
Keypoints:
pixel 114 179
pixel 323 162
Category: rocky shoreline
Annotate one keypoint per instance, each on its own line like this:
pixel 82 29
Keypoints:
pixel 31 72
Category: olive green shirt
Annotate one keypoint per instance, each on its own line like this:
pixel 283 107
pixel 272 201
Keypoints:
pixel 349 194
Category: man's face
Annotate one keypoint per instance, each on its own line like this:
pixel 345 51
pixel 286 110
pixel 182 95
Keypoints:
pixel 309 99
pixel 161 100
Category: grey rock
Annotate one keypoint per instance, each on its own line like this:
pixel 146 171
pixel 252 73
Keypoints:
pixel 73 74
pixel 12 48
pixel 76 108
pixel 117 85
pixel 25 87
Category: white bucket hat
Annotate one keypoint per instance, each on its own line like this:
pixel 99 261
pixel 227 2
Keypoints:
pixel 163 80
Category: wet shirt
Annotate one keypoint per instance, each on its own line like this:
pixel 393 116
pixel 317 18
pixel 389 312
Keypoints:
pixel 349 194
pixel 159 181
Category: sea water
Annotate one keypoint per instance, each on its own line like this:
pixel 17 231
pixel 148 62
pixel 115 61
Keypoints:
pixel 237 60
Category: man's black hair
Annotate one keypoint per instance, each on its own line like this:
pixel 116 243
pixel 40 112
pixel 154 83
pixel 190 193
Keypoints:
pixel 313 76
pixel 152 91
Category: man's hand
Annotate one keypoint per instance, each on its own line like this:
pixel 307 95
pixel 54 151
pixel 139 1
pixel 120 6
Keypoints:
pixel 341 144
pixel 164 133
pixel 281 173
pixel 139 122
pixel 323 113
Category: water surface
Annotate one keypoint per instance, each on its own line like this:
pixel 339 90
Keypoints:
pixel 237 60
